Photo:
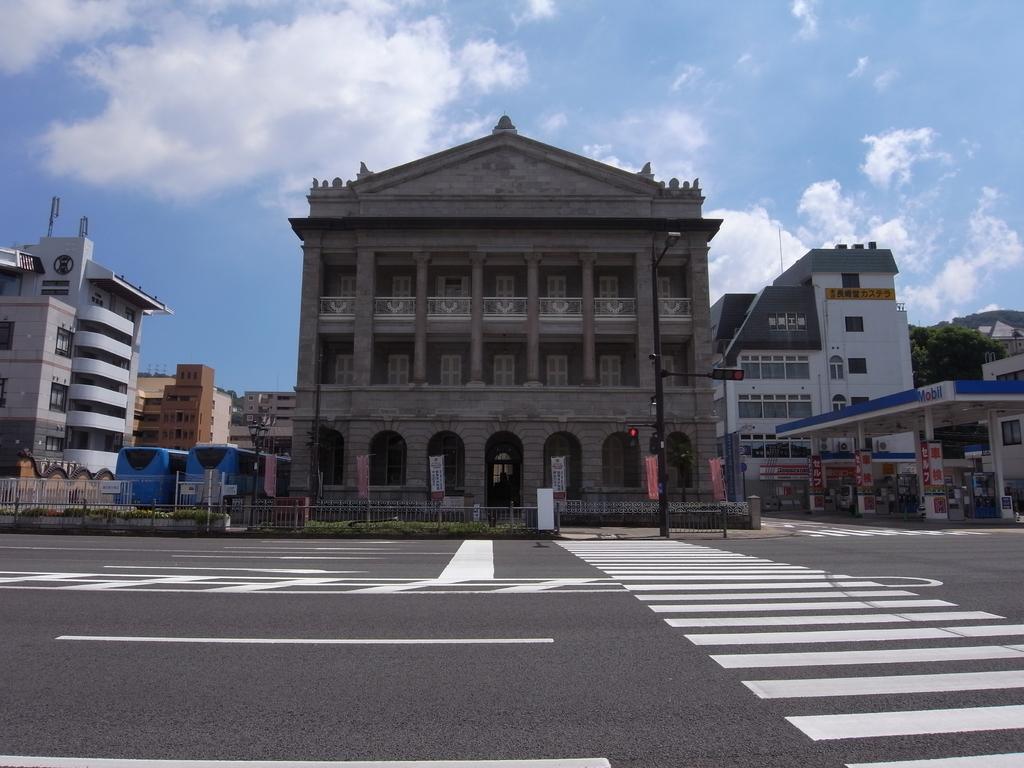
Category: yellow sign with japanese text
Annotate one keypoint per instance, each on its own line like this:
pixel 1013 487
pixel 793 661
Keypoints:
pixel 861 293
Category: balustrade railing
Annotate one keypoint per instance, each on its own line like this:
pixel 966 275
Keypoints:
pixel 501 306
pixel 449 305
pixel 616 307
pixel 337 305
pixel 561 306
pixel 394 305
pixel 675 307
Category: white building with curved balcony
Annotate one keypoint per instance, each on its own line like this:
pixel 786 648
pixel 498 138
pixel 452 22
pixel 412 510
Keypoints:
pixel 70 334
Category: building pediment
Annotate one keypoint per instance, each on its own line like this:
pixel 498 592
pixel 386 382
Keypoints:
pixel 504 165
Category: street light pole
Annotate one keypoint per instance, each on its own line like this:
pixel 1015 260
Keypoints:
pixel 258 427
pixel 659 395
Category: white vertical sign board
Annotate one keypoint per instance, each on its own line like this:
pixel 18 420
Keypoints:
pixel 558 477
pixel 545 509
pixel 437 477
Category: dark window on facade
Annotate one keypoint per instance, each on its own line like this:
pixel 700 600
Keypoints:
pixel 856 400
pixel 857 365
pixel 3 392
pixel 851 280
pixel 55 444
pixel 10 284
pixel 64 337
pixel 58 397
pixel 6 335
pixel 1011 432
pixel 387 459
pixel 855 324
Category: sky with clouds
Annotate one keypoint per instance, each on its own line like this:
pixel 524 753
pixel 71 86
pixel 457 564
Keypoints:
pixel 189 131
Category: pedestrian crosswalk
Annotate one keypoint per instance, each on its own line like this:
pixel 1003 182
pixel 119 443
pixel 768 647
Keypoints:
pixel 894 664
pixel 821 531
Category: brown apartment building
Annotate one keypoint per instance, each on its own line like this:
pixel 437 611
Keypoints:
pixel 182 411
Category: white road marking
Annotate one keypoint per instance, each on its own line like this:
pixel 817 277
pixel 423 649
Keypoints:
pixel 784 596
pixel 833 606
pixel 886 656
pixel 751 585
pixel 1008 760
pixel 822 636
pixel 747 577
pixel 852 618
pixel 474 560
pixel 866 725
pixel 280 557
pixel 215 568
pixel 18 761
pixel 316 641
pixel 885 684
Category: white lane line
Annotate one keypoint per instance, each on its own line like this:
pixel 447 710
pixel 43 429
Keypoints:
pixel 35 576
pixel 852 618
pixel 820 636
pixel 474 560
pixel 884 684
pixel 279 557
pixel 833 606
pixel 316 640
pixel 281 584
pixel 215 568
pixel 729 577
pixel 1008 760
pixel 887 656
pixel 20 761
pixel 708 571
pixel 866 725
pixel 786 596
pixel 106 586
pixel 751 585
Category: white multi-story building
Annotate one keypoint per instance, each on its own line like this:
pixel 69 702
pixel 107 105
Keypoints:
pixel 1011 430
pixel 70 334
pixel 828 334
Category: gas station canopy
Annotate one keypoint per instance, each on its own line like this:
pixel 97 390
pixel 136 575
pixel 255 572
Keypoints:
pixel 948 403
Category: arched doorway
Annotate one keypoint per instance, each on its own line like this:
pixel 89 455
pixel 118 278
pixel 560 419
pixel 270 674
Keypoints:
pixel 680 458
pixel 565 444
pixel 387 459
pixel 332 456
pixel 450 446
pixel 620 461
pixel 504 470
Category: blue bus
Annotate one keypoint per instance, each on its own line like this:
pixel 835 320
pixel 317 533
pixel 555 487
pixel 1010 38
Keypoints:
pixel 238 467
pixel 151 471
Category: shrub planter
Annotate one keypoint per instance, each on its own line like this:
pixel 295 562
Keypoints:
pixel 7 520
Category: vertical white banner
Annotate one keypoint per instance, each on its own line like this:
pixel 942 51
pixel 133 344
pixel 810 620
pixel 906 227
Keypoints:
pixel 437 477
pixel 558 477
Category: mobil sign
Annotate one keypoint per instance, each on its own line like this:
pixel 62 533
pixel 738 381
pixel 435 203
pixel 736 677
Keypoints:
pixel 933 393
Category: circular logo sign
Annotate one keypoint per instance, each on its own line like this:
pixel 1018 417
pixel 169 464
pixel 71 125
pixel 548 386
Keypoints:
pixel 63 264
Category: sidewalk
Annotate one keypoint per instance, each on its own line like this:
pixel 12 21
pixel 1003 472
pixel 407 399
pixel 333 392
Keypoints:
pixel 886 521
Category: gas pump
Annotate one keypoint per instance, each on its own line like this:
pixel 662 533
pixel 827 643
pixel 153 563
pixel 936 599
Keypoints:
pixel 908 498
pixel 984 500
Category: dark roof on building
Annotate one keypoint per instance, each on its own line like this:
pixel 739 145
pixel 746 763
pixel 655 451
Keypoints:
pixel 755 334
pixel 838 260
pixel 727 315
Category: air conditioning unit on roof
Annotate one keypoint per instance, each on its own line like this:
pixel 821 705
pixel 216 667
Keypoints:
pixel 842 445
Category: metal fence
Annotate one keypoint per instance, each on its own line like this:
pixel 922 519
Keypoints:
pixel 684 516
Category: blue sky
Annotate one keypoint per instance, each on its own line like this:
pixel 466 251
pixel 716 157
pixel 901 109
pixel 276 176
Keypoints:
pixel 188 132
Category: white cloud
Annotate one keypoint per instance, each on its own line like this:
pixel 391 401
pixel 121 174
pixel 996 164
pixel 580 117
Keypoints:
pixel 535 10
pixel 992 247
pixel 689 75
pixel 199 107
pixel 988 308
pixel 858 70
pixel 833 218
pixel 894 153
pixel 603 154
pixel 744 256
pixel 489 65
pixel 554 122
pixel 884 80
pixel 669 139
pixel 35 29
pixel 805 11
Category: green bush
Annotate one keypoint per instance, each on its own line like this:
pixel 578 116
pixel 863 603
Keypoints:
pixel 199 514
pixel 412 528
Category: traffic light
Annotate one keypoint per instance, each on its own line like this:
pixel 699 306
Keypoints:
pixel 634 434
pixel 655 445
pixel 727 374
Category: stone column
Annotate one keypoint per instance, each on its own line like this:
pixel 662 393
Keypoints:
pixel 476 352
pixel 532 319
pixel 419 368
pixel 362 336
pixel 589 374
pixel 309 349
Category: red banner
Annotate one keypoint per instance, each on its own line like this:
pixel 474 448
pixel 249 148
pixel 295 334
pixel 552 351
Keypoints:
pixel 651 465
pixel 717 478
pixel 363 476
pixel 817 478
pixel 270 474
pixel 862 469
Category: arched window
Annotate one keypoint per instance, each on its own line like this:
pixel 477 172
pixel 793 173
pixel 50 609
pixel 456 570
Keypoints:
pixel 450 446
pixel 565 444
pixel 332 457
pixel 838 403
pixel 835 368
pixel 387 459
pixel 620 462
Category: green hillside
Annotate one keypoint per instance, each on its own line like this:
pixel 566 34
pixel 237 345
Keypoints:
pixel 1009 316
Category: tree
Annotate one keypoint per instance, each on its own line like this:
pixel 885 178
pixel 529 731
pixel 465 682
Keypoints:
pixel 950 352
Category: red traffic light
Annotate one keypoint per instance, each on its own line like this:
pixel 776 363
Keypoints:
pixel 727 374
pixel 633 433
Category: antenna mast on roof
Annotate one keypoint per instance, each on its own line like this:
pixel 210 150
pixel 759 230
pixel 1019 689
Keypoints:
pixel 54 213
pixel 83 226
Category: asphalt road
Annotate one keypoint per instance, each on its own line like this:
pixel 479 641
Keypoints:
pixel 575 663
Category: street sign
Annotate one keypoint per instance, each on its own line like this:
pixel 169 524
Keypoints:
pixel 110 486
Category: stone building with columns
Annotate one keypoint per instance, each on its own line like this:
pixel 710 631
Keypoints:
pixel 492 304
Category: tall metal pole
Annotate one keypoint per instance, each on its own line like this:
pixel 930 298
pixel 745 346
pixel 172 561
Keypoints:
pixel 256 472
pixel 659 394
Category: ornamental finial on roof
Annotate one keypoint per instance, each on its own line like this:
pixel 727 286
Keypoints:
pixel 504 125
pixel 646 172
pixel 363 171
